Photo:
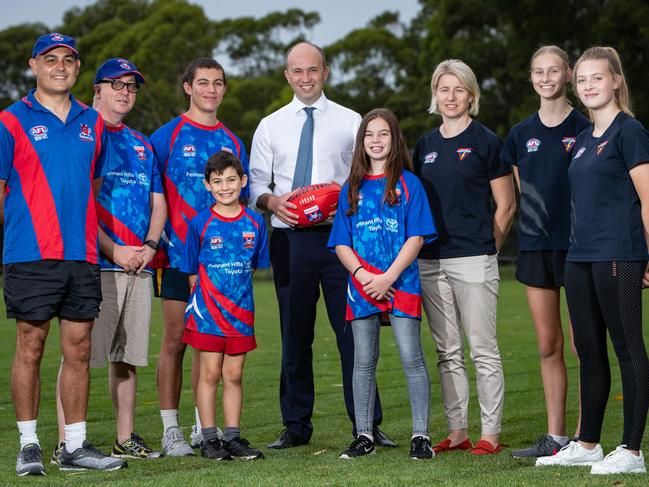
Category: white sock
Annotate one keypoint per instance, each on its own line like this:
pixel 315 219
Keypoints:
pixel 27 430
pixel 75 435
pixel 169 418
pixel 198 419
pixel 422 436
pixel 562 440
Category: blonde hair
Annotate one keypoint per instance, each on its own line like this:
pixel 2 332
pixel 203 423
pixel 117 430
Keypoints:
pixel 467 78
pixel 622 97
pixel 556 50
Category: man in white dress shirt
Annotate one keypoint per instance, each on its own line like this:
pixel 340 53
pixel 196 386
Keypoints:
pixel 300 258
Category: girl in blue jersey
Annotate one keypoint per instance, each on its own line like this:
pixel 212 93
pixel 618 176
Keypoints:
pixel 381 223
pixel 540 149
pixel 606 266
pixel 460 167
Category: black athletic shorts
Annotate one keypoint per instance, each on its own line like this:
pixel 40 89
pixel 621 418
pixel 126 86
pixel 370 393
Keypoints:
pixel 171 283
pixel 44 289
pixel 541 268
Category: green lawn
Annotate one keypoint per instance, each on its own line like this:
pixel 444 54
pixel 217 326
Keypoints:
pixel 318 463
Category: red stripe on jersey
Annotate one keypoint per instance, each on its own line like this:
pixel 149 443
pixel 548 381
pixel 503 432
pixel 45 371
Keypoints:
pixel 234 140
pixel 179 209
pixel 405 187
pixel 206 288
pixel 190 324
pixel 36 190
pixel 349 314
pixel 120 230
pixel 254 222
pixel 172 140
pixel 140 138
pixel 247 317
pixel 202 235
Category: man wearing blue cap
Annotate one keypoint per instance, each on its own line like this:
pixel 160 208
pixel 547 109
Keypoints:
pixel 132 212
pixel 53 149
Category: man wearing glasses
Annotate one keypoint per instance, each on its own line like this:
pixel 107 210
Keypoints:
pixel 53 149
pixel 183 146
pixel 132 211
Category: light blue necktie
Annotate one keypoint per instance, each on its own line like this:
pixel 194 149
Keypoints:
pixel 304 162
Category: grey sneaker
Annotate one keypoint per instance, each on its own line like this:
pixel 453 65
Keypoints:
pixel 196 437
pixel 545 446
pixel 174 444
pixel 30 461
pixel 56 453
pixel 89 458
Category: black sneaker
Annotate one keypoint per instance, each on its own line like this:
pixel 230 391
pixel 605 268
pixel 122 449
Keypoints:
pixel 240 448
pixel 421 448
pixel 88 458
pixel 362 445
pixel 545 446
pixel 134 447
pixel 214 450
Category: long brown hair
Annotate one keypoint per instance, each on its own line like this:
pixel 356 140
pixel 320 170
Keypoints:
pixel 397 159
pixel 622 97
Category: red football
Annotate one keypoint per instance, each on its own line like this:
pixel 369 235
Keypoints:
pixel 315 203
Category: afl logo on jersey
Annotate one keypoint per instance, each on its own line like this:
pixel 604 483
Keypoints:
pixel 568 143
pixel 462 152
pixel 533 145
pixel 216 242
pixel 141 153
pixel 85 133
pixel 430 157
pixel 39 132
pixel 579 152
pixel 248 240
pixel 601 146
pixel 189 151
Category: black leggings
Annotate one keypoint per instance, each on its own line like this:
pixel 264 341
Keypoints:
pixel 601 296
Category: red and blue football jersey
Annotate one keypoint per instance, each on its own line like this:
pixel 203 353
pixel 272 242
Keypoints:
pixel 49 167
pixel 124 202
pixel 376 232
pixel 224 252
pixel 183 147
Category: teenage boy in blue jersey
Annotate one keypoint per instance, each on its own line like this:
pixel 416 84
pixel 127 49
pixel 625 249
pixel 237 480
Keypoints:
pixel 183 146
pixel 132 211
pixel 52 153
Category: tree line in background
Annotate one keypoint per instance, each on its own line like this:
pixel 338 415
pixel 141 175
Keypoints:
pixel 385 63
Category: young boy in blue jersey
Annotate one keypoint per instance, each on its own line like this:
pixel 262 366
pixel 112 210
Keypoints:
pixel 225 243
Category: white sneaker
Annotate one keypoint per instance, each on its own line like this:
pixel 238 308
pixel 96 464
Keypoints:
pixel 573 454
pixel 620 460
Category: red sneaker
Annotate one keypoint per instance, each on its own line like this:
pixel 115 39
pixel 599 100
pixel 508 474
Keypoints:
pixel 483 447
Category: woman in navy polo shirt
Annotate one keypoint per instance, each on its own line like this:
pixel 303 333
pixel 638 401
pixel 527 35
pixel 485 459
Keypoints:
pixel 606 265
pixel 460 167
pixel 540 149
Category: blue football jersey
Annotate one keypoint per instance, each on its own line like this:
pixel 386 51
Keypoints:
pixel 224 252
pixel 183 147
pixel 376 232
pixel 124 201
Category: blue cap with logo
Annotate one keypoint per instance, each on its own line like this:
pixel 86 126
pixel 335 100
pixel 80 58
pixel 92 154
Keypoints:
pixel 51 41
pixel 116 67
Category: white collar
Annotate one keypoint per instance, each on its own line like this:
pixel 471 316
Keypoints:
pixel 321 104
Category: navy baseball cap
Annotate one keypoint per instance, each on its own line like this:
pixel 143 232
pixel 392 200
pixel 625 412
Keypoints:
pixel 51 41
pixel 116 67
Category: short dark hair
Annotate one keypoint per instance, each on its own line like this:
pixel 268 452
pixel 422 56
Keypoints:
pixel 219 162
pixel 201 62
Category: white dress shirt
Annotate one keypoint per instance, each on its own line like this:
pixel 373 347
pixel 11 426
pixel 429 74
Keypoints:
pixel 276 140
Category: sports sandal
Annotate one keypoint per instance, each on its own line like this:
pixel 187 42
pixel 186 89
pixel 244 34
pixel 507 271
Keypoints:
pixel 483 447
pixel 445 445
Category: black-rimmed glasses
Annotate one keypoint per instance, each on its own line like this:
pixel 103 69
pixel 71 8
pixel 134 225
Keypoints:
pixel 118 84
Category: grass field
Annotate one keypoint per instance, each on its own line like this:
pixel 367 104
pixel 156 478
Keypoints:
pixel 318 463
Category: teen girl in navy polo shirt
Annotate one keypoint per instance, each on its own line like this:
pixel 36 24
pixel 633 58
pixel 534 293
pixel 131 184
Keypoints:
pixel 381 223
pixel 460 167
pixel 540 149
pixel 607 262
